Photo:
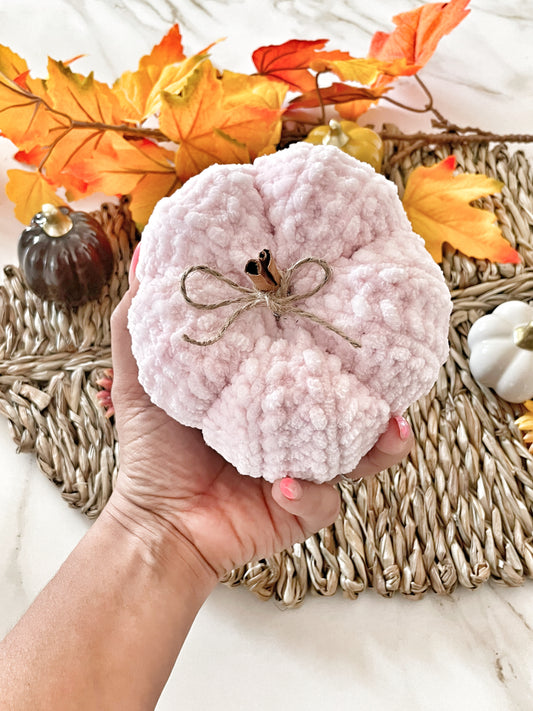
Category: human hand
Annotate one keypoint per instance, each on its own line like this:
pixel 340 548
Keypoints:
pixel 170 481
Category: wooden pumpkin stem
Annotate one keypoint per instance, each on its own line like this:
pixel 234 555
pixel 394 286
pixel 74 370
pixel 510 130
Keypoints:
pixel 53 221
pixel 335 136
pixel 523 336
pixel 263 272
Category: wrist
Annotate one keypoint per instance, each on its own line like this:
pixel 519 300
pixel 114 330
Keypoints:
pixel 159 545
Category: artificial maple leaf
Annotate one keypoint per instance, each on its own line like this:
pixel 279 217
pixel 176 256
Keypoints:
pixel 206 129
pixel 11 65
pixel 25 116
pixel 119 164
pixel 30 191
pixel 525 424
pixel 134 88
pixel 261 93
pixel 242 88
pixel 290 62
pixel 336 94
pixel 171 80
pixel 168 51
pixel 91 106
pixel 437 203
pixel 32 157
pixel 417 33
pixel 138 167
pixel 362 70
pixel 21 80
pixel 82 98
pixel 148 191
pixel 73 146
pixel 353 110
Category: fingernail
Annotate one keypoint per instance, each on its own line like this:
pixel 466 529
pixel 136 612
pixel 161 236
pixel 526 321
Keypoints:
pixel 134 260
pixel 290 488
pixel 404 428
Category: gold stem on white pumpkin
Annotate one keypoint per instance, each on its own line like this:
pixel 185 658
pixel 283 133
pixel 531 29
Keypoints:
pixel 335 136
pixel 523 336
pixel 263 272
pixel 53 221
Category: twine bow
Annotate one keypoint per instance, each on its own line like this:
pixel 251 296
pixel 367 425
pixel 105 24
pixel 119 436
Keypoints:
pixel 274 294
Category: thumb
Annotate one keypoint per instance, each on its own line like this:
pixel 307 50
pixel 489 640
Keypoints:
pixel 317 505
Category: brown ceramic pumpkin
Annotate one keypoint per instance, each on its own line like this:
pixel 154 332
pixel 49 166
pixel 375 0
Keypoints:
pixel 65 256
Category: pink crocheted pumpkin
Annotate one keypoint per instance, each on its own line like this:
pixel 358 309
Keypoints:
pixel 286 395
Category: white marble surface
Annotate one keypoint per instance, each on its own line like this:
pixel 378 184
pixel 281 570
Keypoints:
pixel 471 650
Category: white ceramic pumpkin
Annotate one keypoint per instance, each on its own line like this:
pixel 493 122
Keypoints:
pixel 501 351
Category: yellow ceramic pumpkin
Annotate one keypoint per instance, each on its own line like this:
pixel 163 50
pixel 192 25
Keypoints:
pixel 360 142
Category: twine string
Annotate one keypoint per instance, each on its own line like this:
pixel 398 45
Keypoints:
pixel 280 302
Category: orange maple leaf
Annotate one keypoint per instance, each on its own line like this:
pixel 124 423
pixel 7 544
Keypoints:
pixel 134 88
pixel 417 33
pixel 32 157
pixel 210 127
pixel 290 62
pixel 437 203
pixel 138 167
pixel 93 106
pixel 25 117
pixel 120 163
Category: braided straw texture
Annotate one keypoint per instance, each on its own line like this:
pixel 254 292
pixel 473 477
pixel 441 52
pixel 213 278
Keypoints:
pixel 459 510
pixel 50 360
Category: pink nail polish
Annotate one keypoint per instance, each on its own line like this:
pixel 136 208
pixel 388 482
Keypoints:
pixel 404 428
pixel 134 260
pixel 290 488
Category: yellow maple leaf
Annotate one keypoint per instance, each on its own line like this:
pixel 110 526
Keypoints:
pixel 262 93
pixel 207 129
pixel 30 191
pixel 525 424
pixel 148 191
pixel 11 65
pixel 363 71
pixel 172 80
pixel 242 88
pixel 135 88
pixel 437 203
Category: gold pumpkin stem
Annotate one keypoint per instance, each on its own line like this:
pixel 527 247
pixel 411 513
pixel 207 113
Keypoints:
pixel 335 136
pixel 523 336
pixel 53 221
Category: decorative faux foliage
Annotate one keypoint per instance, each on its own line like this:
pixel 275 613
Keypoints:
pixel 167 120
pixel 418 33
pixel 437 203
pixel 525 424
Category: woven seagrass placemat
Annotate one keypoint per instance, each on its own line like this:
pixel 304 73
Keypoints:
pixel 459 510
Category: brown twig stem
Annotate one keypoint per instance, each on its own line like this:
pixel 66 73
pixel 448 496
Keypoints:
pixel 452 137
pixel 431 106
pixel 322 106
pixel 127 129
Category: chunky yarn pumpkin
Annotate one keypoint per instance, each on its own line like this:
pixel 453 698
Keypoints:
pixel 281 395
